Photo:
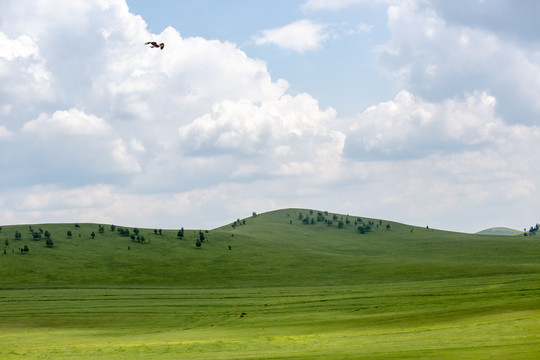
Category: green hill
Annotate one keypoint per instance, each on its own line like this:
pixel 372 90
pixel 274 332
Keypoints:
pixel 291 283
pixel 271 249
pixel 500 231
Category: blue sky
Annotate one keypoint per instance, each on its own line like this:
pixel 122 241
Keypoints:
pixel 419 111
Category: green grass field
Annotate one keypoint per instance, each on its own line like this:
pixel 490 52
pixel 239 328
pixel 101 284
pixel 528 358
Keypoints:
pixel 284 290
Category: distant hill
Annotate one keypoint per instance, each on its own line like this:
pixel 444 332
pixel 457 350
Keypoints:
pixel 499 231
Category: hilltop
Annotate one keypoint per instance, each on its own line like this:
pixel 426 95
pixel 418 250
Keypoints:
pixel 500 231
pixel 278 248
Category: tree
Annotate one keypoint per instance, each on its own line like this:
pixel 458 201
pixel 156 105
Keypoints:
pixel 180 233
pixel 49 243
pixel 69 234
pixel 254 214
pixel 26 249
pixel 387 226
pixel 18 235
pixel 47 234
pixel 198 243
pixel 201 236
pixel 93 234
pixel 6 242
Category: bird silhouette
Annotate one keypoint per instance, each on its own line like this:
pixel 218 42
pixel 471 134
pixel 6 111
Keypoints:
pixel 154 44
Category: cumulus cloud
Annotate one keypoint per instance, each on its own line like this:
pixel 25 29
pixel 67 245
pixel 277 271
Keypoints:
pixel 5 133
pixel 68 122
pixel 437 60
pixel 112 131
pixel 300 36
pixel 290 134
pixel 410 127
pixel 23 71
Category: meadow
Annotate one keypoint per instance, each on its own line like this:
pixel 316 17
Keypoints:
pixel 274 287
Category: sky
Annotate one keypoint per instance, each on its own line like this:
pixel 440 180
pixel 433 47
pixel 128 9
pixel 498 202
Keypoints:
pixel 425 112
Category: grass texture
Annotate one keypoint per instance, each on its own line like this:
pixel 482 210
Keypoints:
pixel 272 288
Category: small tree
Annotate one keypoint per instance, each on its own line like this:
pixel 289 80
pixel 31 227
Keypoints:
pixel 69 234
pixel 180 233
pixel 47 234
pixel 49 243
pixel 387 226
pixel 93 234
pixel 18 235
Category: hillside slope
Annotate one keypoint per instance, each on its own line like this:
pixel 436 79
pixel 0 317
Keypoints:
pixel 276 248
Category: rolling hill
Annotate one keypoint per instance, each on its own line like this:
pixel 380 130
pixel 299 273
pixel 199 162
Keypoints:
pixel 292 283
pixel 500 231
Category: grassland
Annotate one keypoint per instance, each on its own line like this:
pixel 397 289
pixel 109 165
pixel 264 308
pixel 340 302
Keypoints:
pixel 283 290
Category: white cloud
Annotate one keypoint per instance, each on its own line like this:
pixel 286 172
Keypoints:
pixel 290 136
pixel 23 72
pixel 437 60
pixel 300 36
pixel 410 127
pixel 98 127
pixel 315 5
pixel 5 133
pixel 68 122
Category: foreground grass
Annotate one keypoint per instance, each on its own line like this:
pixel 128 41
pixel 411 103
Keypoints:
pixel 495 318
pixel 283 290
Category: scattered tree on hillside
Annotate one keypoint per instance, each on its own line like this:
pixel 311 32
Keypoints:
pixel 180 233
pixel 49 243
pixel 387 226
pixel 47 234
pixel 254 214
pixel 101 229
pixel 93 234
pixel 69 234
pixel 362 229
pixel 18 235
pixel 201 236
pixel 36 235
pixel 113 227
pixel 6 242
pixel 198 243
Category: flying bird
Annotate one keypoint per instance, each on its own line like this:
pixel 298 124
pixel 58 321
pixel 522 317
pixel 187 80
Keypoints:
pixel 154 44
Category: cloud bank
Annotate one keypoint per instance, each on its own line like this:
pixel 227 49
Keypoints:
pixel 97 127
